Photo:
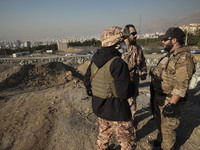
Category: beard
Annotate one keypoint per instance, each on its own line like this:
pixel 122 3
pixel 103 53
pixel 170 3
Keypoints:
pixel 168 47
pixel 132 42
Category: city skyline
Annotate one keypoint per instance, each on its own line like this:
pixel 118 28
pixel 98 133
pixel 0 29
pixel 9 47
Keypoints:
pixel 25 19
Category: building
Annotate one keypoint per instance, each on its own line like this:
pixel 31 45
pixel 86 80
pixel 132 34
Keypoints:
pixel 20 54
pixel 18 43
pixel 63 45
pixel 191 28
pixel 150 35
pixel 27 44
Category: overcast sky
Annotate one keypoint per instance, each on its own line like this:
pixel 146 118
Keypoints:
pixel 21 18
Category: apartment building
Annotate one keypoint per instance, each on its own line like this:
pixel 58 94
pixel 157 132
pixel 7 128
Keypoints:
pixel 191 28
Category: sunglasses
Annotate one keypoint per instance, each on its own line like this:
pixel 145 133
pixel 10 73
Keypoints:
pixel 133 33
pixel 166 39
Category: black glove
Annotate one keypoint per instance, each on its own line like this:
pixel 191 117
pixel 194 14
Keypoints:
pixel 89 92
pixel 169 110
pixel 143 76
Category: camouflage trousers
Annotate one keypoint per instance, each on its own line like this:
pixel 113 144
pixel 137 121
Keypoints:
pixel 132 100
pixel 133 106
pixel 123 130
pixel 166 125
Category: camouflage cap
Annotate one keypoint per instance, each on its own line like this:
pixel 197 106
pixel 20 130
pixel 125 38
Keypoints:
pixel 111 36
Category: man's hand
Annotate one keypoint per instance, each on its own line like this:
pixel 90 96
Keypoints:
pixel 169 110
pixel 143 76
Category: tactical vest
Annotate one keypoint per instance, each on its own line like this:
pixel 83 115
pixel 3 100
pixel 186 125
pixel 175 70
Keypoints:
pixel 164 72
pixel 103 85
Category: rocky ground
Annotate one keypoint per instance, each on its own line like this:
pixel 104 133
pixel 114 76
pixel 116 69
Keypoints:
pixel 45 107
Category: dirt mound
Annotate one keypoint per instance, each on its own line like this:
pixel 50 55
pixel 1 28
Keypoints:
pixel 48 75
pixel 45 107
pixel 51 117
pixel 83 67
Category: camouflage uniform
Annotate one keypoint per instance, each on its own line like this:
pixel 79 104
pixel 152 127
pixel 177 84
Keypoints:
pixel 135 59
pixel 123 131
pixel 171 77
pixel 109 96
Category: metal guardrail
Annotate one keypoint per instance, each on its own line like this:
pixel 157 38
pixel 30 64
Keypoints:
pixel 30 60
pixel 83 58
pixel 74 59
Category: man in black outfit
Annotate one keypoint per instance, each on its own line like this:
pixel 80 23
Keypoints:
pixel 107 80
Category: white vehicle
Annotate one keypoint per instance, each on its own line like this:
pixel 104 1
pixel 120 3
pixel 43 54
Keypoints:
pixel 195 51
pixel 68 54
pixel 91 53
pixel 49 51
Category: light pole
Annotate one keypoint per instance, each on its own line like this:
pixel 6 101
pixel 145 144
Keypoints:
pixel 4 51
pixel 186 38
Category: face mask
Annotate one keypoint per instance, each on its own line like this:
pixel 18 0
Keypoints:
pixel 122 48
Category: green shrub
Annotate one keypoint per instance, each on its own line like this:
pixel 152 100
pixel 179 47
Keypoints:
pixel 198 44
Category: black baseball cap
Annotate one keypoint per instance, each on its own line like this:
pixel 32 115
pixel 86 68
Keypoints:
pixel 173 32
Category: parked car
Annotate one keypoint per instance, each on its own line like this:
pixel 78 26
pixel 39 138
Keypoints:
pixel 91 53
pixel 81 53
pixel 163 51
pixel 68 54
pixel 85 53
pixel 195 51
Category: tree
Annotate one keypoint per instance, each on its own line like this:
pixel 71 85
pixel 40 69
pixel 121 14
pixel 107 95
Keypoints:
pixel 92 42
pixel 153 42
pixel 198 44
pixel 193 39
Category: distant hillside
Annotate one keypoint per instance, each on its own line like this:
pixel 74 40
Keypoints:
pixel 161 25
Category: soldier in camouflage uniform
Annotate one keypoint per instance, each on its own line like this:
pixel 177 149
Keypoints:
pixel 107 80
pixel 170 79
pixel 135 59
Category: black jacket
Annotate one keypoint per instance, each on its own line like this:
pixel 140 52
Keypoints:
pixel 113 109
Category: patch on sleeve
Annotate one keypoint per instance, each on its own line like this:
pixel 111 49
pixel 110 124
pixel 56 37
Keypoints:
pixel 182 74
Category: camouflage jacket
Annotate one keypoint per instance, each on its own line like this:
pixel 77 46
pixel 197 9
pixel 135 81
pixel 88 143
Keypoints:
pixel 135 59
pixel 174 72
